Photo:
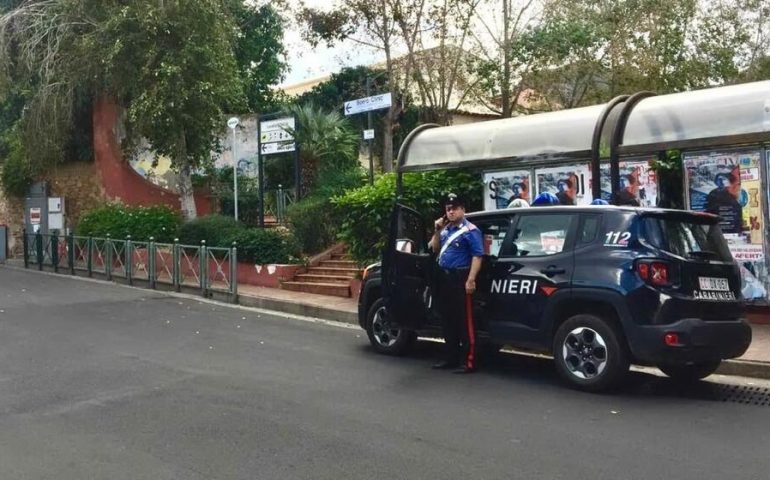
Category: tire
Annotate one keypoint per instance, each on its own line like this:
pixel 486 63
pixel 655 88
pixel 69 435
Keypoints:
pixel 690 372
pixel 590 353
pixel 383 337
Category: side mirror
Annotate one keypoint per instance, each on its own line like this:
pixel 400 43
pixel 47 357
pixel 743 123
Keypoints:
pixel 405 246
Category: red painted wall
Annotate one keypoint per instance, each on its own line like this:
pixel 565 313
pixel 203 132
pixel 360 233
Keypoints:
pixel 120 181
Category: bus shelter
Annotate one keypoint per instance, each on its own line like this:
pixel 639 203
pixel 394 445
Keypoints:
pixel 605 151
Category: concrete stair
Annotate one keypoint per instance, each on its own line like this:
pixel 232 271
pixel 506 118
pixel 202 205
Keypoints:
pixel 330 275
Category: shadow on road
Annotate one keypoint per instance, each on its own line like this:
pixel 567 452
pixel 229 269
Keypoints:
pixel 540 371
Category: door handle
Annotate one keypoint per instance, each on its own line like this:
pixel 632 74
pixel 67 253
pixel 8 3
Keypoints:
pixel 552 270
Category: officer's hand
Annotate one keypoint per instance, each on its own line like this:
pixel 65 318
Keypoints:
pixel 470 286
pixel 439 224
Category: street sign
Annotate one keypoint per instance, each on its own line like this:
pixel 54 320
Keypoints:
pixel 274 137
pixel 233 122
pixel 34 215
pixel 369 134
pixel 276 147
pixel 368 104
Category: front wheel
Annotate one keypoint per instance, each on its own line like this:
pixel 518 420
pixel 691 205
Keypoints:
pixel 690 372
pixel 384 337
pixel 590 353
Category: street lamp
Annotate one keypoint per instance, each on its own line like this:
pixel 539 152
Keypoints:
pixel 233 124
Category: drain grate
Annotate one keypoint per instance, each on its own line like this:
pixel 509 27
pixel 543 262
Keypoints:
pixel 744 394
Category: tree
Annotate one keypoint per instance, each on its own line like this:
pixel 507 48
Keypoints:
pixel 186 78
pixel 327 143
pixel 170 63
pixel 259 52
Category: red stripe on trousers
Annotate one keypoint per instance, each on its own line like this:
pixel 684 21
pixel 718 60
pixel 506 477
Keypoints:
pixel 469 361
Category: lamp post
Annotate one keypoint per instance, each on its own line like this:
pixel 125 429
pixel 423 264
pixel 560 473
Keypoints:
pixel 233 124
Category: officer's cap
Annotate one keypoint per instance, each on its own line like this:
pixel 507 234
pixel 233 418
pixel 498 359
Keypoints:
pixel 454 200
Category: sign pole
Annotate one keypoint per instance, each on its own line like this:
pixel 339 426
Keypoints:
pixel 369 127
pixel 233 124
pixel 261 174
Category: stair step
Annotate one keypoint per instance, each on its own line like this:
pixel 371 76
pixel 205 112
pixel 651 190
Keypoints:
pixel 341 256
pixel 347 272
pixel 339 263
pixel 333 289
pixel 314 278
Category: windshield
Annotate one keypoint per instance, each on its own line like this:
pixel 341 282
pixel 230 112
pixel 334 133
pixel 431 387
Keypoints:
pixel 687 238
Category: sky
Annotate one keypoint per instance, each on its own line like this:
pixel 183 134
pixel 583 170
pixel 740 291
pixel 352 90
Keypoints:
pixel 306 62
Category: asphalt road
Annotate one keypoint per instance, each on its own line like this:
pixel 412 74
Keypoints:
pixel 106 382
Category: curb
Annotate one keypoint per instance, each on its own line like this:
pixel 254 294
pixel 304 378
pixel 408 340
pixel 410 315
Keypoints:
pixel 745 368
pixel 741 368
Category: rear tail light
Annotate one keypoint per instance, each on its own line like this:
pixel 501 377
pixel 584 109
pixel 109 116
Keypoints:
pixel 654 272
pixel 672 339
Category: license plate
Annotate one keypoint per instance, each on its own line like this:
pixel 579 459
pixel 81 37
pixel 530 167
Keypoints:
pixel 714 284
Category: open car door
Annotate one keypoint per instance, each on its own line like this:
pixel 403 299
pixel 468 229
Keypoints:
pixel 406 269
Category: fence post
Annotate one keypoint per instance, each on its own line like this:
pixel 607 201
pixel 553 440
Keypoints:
pixel 55 251
pixel 128 264
pixel 176 259
pixel 39 249
pixel 90 261
pixel 71 253
pixel 25 242
pixel 151 262
pixel 203 270
pixel 234 273
pixel 108 260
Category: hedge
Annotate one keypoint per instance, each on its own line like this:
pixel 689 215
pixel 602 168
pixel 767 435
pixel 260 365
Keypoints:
pixel 365 212
pixel 214 229
pixel 119 221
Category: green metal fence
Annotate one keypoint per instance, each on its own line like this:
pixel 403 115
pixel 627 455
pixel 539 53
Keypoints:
pixel 208 269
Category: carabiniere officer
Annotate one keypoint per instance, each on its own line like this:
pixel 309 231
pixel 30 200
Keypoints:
pixel 460 248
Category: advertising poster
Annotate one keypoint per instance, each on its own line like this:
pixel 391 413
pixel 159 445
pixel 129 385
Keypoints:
pixel 570 184
pixel 638 184
pixel 729 184
pixel 500 188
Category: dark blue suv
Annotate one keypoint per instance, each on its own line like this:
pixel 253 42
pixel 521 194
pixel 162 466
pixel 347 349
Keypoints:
pixel 596 287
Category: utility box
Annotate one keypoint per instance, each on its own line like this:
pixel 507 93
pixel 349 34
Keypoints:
pixel 36 208
pixel 56 214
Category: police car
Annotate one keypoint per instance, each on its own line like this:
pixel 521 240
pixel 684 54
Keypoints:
pixel 598 288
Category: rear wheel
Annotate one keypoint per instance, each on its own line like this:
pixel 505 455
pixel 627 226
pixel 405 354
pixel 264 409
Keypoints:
pixel 385 337
pixel 690 372
pixel 590 353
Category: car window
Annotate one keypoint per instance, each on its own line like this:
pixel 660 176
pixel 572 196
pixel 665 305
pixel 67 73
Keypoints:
pixel 410 233
pixel 589 228
pixel 540 234
pixel 493 232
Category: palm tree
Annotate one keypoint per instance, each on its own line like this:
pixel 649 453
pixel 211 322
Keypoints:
pixel 327 142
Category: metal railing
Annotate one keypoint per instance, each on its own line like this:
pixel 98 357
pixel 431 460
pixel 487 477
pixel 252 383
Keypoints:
pixel 280 199
pixel 209 269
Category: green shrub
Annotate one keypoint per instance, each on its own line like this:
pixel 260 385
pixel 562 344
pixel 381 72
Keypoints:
pixel 312 223
pixel 263 246
pixel 17 174
pixel 120 221
pixel 216 230
pixel 314 220
pixel 365 212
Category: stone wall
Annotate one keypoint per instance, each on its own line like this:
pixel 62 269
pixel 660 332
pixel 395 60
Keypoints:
pixel 77 182
pixel 80 186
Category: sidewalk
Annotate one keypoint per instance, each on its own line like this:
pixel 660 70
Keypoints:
pixel 754 363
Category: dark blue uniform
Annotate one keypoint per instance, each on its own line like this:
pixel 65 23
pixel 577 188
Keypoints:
pixel 454 304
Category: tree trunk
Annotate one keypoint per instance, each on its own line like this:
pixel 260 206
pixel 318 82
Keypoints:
pixel 186 198
pixel 387 138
